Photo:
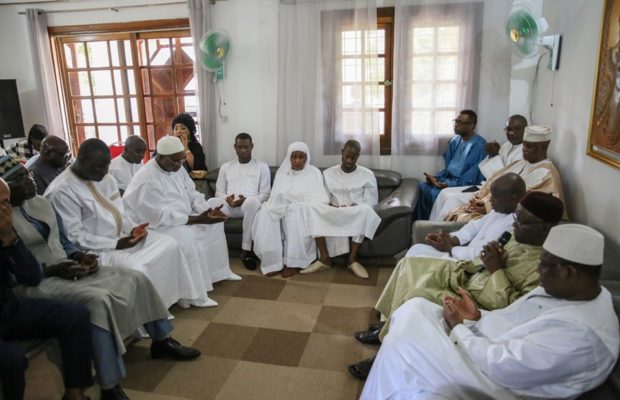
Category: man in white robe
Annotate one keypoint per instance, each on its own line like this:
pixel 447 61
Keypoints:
pixel 244 184
pixel 163 194
pixel 467 243
pixel 88 201
pixel 497 158
pixel 125 166
pixel 280 236
pixel 558 341
pixel 340 227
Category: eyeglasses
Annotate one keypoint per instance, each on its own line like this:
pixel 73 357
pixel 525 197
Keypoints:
pixel 527 222
pixel 459 122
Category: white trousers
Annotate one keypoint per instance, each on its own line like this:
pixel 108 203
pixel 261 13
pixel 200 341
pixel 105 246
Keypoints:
pixel 449 199
pixel 248 211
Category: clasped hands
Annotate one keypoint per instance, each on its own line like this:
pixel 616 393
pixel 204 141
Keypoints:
pixel 230 200
pixel 138 234
pixel 475 206
pixel 441 241
pixel 493 256
pixel 82 264
pixel 456 310
pixel 432 180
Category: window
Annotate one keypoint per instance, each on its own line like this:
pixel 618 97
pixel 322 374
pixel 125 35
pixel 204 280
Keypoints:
pixel 120 84
pixel 434 64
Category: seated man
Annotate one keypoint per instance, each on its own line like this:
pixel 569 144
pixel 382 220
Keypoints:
pixel 28 149
pixel 87 200
pixel 350 216
pixel 466 244
pixel 26 318
pixel 163 194
pixel 464 153
pixel 244 184
pixel 52 161
pixel 499 277
pixel 536 169
pixel 558 341
pixel 119 299
pixel 125 166
pixel 497 158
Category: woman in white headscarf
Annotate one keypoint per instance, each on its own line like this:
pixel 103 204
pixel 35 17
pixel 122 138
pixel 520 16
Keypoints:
pixel 279 232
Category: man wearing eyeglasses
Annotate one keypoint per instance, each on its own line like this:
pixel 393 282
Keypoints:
pixel 497 158
pixel 53 160
pixel 465 151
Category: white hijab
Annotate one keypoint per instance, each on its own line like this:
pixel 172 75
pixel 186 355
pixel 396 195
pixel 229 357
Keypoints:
pixel 291 186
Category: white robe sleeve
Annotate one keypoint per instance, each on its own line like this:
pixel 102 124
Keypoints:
pixel 465 235
pixel 222 182
pixel 537 359
pixel 70 212
pixel 149 205
pixel 371 191
pixel 264 186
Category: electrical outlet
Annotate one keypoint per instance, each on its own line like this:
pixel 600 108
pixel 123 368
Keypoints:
pixel 225 119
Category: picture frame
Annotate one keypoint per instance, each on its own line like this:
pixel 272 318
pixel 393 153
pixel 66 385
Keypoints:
pixel 604 134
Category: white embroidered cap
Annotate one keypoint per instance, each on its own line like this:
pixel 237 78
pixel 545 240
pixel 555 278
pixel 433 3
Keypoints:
pixel 537 133
pixel 577 243
pixel 169 145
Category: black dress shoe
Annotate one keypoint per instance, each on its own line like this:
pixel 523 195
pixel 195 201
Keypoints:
pixel 361 369
pixel 173 349
pixel 368 337
pixel 374 327
pixel 116 393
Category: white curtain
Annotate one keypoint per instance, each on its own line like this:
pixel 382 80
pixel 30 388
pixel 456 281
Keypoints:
pixel 44 72
pixel 436 65
pixel 200 23
pixel 317 103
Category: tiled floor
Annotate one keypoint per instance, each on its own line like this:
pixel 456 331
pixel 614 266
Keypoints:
pixel 269 338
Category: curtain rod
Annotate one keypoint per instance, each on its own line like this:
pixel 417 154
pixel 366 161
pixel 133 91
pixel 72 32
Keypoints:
pixel 115 9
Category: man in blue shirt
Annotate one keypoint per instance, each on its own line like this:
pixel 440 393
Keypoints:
pixel 465 151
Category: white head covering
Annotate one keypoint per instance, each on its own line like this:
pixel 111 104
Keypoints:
pixel 534 133
pixel 286 167
pixel 169 145
pixel 577 243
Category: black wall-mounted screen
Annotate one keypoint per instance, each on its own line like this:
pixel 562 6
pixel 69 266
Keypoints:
pixel 11 123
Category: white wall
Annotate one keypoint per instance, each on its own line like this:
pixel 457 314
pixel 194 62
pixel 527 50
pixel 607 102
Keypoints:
pixel 563 100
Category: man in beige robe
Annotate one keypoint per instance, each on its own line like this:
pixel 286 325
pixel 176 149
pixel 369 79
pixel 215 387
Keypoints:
pixel 536 169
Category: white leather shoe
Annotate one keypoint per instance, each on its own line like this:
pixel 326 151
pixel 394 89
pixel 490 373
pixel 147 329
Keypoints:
pixel 314 267
pixel 358 270
pixel 233 277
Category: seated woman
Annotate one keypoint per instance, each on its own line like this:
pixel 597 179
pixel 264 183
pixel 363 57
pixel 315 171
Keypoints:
pixel 279 232
pixel 184 127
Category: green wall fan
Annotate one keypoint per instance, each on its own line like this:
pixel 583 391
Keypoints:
pixel 215 47
pixel 524 29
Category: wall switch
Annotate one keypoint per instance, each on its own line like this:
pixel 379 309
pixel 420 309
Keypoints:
pixel 225 119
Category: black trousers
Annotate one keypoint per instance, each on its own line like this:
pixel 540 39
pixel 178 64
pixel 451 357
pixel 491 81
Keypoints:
pixel 40 319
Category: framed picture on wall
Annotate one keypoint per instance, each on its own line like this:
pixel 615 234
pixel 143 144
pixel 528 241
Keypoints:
pixel 604 139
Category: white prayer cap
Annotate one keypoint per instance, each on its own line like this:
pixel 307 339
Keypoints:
pixel 169 145
pixel 577 243
pixel 535 133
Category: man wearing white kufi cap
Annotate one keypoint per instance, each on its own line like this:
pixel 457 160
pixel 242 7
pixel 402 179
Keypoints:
pixel 88 201
pixel 558 341
pixel 163 194
pixel 535 168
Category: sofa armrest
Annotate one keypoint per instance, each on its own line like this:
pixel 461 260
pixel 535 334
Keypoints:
pixel 400 202
pixel 422 228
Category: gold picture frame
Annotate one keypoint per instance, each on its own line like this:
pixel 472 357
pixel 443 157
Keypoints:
pixel 604 135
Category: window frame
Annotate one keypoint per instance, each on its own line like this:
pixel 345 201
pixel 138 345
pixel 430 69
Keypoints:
pixel 132 31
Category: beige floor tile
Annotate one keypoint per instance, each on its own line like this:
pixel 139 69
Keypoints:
pixel 186 331
pixel 139 395
pixel 351 296
pixel 312 384
pixel 225 340
pixel 343 320
pixel 331 352
pixel 257 381
pixel 43 380
pixel 274 346
pixel 384 276
pixel 292 316
pixel 201 379
pixel 304 292
pixel 248 312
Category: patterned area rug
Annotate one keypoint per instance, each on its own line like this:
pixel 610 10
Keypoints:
pixel 269 338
